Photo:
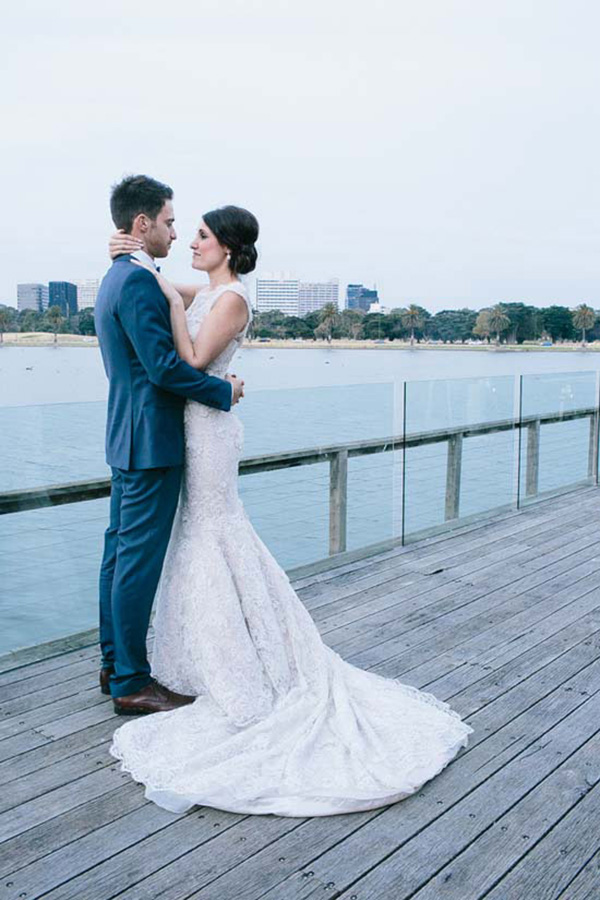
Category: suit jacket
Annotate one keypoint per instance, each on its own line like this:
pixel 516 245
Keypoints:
pixel 148 381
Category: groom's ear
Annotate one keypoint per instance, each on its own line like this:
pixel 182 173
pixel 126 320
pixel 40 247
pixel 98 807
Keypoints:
pixel 140 225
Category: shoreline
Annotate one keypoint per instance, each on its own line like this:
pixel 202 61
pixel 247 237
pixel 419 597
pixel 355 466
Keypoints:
pixel 45 339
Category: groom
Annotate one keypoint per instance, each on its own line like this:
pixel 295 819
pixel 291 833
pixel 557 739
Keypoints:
pixel 148 385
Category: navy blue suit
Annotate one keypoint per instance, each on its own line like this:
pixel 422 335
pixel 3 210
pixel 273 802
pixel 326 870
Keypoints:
pixel 148 385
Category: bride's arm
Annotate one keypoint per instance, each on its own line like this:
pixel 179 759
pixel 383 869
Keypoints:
pixel 121 243
pixel 225 320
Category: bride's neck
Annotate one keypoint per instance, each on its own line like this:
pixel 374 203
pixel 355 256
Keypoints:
pixel 221 276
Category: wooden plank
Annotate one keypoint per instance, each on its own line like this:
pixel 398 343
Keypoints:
pixel 85 718
pixel 55 691
pixel 416 592
pixel 64 772
pixel 48 656
pixel 511 838
pixel 83 670
pixel 21 743
pixel 64 798
pixel 585 885
pixel 49 713
pixel 198 875
pixel 537 678
pixel 542 608
pixel 530 522
pixel 11 674
pixel 54 751
pixel 208 832
pixel 450 673
pixel 416 558
pixel 552 864
pixel 488 687
pixel 68 870
pixel 453 477
pixel 504 731
pixel 338 502
pixel 416 860
pixel 245 883
pixel 401 610
pixel 438 634
pixel 41 840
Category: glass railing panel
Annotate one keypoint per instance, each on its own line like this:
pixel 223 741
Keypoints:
pixel 460 451
pixel 49 563
pixel 290 507
pixel 50 557
pixel 559 433
pixel 51 443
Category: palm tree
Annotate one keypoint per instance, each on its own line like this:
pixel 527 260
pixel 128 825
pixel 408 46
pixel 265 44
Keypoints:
pixel 54 317
pixel 329 317
pixel 584 318
pixel 411 318
pixel 481 328
pixel 498 320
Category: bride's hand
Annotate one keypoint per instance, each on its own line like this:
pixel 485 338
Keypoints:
pixel 121 243
pixel 172 295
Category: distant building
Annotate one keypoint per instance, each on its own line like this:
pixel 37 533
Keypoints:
pixel 278 292
pixel 379 308
pixel 314 295
pixel 360 297
pixel 63 294
pixel 87 291
pixel 32 296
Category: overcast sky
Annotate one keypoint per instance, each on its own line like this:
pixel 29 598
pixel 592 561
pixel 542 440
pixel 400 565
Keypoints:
pixel 447 152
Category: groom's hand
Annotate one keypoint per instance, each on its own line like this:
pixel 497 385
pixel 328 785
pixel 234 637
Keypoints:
pixel 238 388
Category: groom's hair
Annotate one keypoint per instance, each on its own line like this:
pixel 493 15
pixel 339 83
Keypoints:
pixel 134 195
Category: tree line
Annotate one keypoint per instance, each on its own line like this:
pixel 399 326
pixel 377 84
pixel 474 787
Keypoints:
pixel 509 322
pixel 504 322
pixel 51 320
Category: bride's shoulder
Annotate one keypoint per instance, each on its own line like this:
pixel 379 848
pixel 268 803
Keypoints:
pixel 238 288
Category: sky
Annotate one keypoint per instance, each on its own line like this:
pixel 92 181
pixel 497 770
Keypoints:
pixel 446 151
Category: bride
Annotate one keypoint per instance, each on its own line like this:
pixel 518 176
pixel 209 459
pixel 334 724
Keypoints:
pixel 281 723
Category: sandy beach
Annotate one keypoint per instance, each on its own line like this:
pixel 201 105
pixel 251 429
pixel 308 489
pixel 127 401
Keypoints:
pixel 44 339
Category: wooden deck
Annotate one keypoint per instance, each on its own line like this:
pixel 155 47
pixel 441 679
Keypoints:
pixel 502 619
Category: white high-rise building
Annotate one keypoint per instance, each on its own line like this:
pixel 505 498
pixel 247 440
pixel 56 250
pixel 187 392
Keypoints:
pixel 33 296
pixel 278 292
pixel 87 291
pixel 314 295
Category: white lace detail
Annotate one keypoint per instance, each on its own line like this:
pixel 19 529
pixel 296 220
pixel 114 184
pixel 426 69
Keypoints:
pixel 282 724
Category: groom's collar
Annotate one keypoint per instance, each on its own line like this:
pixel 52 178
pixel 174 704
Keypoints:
pixel 144 258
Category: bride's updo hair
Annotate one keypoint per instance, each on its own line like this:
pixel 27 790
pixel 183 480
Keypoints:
pixel 236 229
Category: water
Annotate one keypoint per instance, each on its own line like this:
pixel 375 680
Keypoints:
pixel 32 375
pixel 52 412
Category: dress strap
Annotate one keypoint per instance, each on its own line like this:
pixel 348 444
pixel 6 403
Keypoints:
pixel 239 288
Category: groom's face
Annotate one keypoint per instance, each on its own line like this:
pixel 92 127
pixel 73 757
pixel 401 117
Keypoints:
pixel 161 232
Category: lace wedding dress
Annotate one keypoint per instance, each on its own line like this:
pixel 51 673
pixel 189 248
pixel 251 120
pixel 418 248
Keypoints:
pixel 282 724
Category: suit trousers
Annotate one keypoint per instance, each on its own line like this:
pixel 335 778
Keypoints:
pixel 142 508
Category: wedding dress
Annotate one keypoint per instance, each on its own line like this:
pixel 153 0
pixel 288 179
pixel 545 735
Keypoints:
pixel 282 724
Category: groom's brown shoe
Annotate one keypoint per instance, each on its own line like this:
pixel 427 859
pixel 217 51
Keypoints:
pixel 105 680
pixel 152 698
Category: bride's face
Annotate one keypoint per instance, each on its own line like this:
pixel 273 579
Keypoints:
pixel 208 253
